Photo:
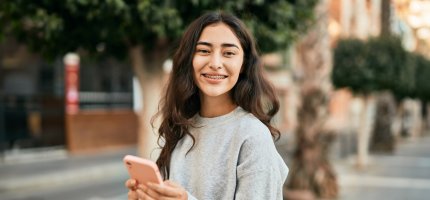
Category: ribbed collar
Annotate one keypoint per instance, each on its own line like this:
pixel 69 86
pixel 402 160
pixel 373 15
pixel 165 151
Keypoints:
pixel 206 121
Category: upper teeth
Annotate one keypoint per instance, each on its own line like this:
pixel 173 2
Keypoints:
pixel 214 76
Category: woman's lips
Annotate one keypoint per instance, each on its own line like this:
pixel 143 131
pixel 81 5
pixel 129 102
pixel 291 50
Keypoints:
pixel 214 78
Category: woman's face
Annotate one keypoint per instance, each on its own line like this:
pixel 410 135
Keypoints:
pixel 217 61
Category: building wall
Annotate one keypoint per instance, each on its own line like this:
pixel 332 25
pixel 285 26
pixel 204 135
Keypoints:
pixel 32 103
pixel 90 131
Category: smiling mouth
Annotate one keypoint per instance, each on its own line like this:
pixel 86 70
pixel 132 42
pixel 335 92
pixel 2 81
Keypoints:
pixel 215 76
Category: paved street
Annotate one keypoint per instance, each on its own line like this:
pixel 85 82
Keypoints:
pixel 91 177
pixel 100 189
pixel 405 175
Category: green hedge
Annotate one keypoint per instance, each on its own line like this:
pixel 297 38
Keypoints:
pixel 380 64
pixel 350 67
pixel 422 77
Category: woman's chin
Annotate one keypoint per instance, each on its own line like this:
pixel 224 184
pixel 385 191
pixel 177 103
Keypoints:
pixel 215 93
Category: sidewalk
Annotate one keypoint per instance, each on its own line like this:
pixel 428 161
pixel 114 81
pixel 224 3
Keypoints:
pixel 404 175
pixel 32 170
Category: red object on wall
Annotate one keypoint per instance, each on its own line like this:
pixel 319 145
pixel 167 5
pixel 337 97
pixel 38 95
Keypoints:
pixel 71 62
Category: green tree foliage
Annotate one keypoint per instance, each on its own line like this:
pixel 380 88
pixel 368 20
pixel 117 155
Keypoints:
pixel 387 60
pixel 422 77
pixel 378 64
pixel 405 86
pixel 350 66
pixel 381 64
pixel 110 27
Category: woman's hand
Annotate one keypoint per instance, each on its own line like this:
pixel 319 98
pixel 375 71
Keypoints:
pixel 168 191
pixel 131 184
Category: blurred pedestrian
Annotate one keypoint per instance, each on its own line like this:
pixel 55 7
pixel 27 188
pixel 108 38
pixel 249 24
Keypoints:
pixel 216 112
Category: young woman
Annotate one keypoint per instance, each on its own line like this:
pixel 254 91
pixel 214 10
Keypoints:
pixel 216 113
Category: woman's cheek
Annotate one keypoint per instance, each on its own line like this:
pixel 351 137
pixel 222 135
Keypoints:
pixel 198 62
pixel 235 66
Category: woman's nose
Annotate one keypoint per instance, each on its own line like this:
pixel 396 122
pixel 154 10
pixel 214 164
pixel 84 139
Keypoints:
pixel 215 61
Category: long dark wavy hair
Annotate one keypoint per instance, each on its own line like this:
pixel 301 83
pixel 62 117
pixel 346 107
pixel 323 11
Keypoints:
pixel 181 101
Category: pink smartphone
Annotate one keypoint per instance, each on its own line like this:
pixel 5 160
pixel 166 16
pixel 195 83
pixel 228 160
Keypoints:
pixel 142 170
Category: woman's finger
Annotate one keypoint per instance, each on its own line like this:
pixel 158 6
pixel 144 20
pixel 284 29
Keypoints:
pixel 165 190
pixel 143 195
pixel 148 191
pixel 171 183
pixel 132 195
pixel 168 198
pixel 131 184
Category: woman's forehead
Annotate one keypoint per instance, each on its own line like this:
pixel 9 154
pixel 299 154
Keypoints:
pixel 218 34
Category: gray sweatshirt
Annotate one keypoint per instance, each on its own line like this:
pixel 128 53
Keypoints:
pixel 234 157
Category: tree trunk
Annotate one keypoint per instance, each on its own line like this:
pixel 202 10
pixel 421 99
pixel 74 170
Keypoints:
pixel 364 132
pixel 404 117
pixel 150 80
pixel 311 174
pixel 397 121
pixel 417 120
pixel 311 171
pixel 425 115
pixel 383 138
pixel 411 119
pixel 385 17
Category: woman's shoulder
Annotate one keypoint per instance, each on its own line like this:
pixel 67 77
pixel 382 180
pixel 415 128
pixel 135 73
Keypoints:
pixel 257 151
pixel 251 128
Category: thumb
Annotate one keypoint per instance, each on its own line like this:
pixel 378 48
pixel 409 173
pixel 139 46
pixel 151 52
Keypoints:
pixel 171 184
pixel 131 184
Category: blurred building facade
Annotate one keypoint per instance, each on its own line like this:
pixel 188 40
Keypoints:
pixel 347 19
pixel 351 19
pixel 409 19
pixel 414 23
pixel 33 104
pixel 364 19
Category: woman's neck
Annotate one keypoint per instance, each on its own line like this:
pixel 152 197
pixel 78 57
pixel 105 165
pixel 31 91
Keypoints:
pixel 216 106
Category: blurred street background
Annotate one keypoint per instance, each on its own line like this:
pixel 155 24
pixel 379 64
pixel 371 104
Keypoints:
pixel 80 79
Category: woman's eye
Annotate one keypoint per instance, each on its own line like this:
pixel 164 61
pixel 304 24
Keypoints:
pixel 203 51
pixel 229 53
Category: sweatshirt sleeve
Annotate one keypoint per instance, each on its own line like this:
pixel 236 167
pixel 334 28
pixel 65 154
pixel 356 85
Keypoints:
pixel 261 172
pixel 259 185
pixel 191 197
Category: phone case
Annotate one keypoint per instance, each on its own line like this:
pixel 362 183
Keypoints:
pixel 142 170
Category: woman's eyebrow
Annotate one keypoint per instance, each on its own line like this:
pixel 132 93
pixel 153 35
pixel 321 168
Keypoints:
pixel 229 45
pixel 222 45
pixel 204 43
